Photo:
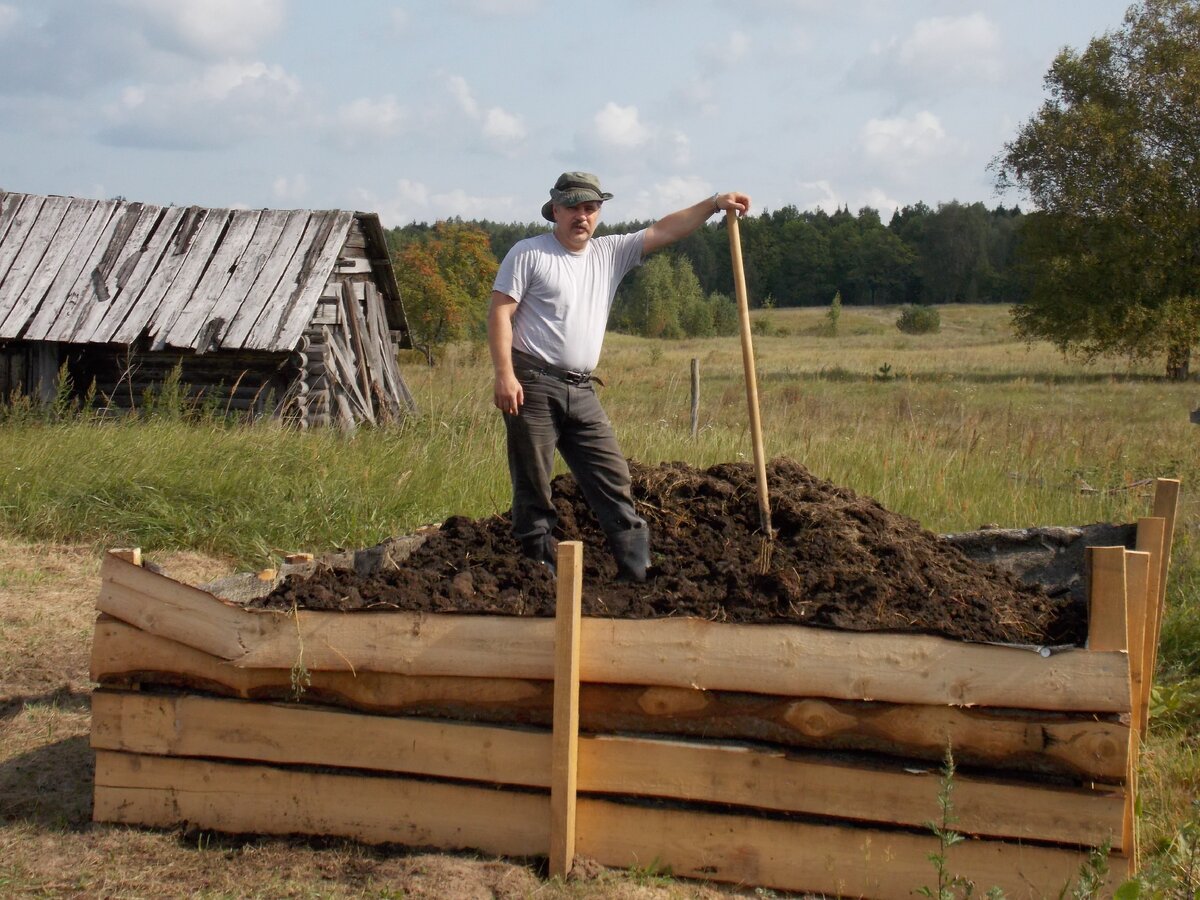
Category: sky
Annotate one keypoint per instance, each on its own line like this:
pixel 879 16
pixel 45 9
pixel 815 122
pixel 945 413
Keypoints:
pixel 471 108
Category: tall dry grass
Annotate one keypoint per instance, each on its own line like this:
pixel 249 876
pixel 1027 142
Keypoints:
pixel 957 429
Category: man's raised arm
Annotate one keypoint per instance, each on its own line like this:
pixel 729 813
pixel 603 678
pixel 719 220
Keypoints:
pixel 683 222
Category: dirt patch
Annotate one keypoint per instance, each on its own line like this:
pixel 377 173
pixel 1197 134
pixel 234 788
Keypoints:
pixel 838 560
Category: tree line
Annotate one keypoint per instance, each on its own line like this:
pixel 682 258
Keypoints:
pixel 955 253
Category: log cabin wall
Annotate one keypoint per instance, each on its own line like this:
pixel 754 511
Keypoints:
pixel 242 382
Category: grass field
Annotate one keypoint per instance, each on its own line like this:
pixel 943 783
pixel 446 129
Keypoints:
pixel 957 429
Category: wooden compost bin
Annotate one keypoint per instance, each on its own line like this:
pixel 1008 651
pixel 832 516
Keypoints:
pixel 415 728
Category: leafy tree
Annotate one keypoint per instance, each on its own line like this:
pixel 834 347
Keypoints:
pixel 445 280
pixel 665 300
pixel 1112 161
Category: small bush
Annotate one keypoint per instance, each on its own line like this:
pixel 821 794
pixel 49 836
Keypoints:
pixel 919 320
pixel 833 315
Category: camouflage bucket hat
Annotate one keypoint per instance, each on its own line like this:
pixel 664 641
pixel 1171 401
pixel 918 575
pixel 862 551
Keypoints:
pixel 572 188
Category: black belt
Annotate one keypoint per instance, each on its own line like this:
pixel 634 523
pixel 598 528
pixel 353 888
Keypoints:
pixel 525 361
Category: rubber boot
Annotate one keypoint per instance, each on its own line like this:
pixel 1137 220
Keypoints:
pixel 631 549
pixel 542 549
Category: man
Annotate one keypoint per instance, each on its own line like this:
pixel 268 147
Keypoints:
pixel 549 308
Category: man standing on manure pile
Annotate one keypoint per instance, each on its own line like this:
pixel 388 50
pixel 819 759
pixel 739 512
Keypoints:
pixel 549 308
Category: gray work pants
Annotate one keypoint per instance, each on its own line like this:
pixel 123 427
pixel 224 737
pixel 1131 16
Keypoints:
pixel 568 417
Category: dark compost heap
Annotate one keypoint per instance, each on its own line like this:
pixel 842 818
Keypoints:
pixel 838 560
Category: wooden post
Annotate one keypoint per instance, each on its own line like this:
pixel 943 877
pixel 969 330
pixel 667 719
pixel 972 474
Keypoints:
pixel 1166 505
pixel 129 554
pixel 695 397
pixel 1106 598
pixel 1137 579
pixel 565 741
pixel 1151 532
pixel 1108 630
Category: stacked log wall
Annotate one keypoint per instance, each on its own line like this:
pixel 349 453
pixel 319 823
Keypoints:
pixel 781 756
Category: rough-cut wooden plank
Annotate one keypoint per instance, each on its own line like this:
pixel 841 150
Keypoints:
pixel 10 204
pixel 345 373
pixel 264 245
pixel 177 611
pixel 147 790
pixel 709 772
pixel 1106 598
pixel 32 250
pixel 309 287
pixel 1137 578
pixel 1151 537
pixel 196 312
pixel 1165 507
pixel 85 289
pixel 774 659
pixel 177 293
pixel 361 374
pixel 1014 740
pixel 126 284
pixel 814 858
pixel 565 758
pixel 69 233
pixel 22 223
pixel 275 305
pixel 177 272
pixel 57 295
pixel 287 247
pixel 798 856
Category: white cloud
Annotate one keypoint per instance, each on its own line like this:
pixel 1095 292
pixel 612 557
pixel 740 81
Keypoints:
pixel 414 201
pixel 365 116
pixel 938 55
pixel 499 7
pixel 214 28
pixel 904 141
pixel 400 19
pixel 226 102
pixel 496 124
pixel 671 194
pixel 289 189
pixel 502 126
pixel 964 44
pixel 620 126
pixel 818 194
pixel 9 17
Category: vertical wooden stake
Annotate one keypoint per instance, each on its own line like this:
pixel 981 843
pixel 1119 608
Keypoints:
pixel 129 554
pixel 1137 578
pixel 1137 582
pixel 1106 598
pixel 565 741
pixel 695 397
pixel 1151 537
pixel 1166 505
pixel 1107 630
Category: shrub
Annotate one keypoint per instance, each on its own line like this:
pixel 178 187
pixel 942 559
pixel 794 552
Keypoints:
pixel 919 320
pixel 833 314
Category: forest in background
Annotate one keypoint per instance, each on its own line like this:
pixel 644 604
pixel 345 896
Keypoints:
pixel 956 253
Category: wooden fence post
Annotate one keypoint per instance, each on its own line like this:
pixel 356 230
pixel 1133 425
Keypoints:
pixel 695 397
pixel 565 740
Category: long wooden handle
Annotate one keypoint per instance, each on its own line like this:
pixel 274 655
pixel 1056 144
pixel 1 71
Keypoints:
pixel 739 287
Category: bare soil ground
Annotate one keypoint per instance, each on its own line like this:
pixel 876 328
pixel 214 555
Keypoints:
pixel 50 848
pixel 837 560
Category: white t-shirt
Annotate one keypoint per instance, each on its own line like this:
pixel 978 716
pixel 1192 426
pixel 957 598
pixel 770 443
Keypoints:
pixel 563 298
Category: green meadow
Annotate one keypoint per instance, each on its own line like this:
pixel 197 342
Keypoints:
pixel 962 428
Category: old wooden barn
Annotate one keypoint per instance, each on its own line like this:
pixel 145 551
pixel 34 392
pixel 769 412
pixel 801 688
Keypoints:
pixel 289 313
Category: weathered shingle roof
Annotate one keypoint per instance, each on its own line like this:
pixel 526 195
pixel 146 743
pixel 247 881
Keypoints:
pixel 86 271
